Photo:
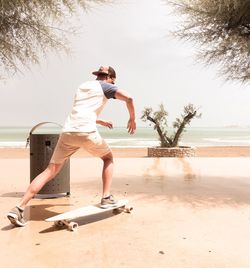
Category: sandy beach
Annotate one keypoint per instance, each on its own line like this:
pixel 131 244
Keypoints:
pixel 188 213
pixel 216 151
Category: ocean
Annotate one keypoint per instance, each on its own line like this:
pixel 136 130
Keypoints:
pixel 15 137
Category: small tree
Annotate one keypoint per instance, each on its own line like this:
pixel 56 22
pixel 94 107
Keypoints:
pixel 159 119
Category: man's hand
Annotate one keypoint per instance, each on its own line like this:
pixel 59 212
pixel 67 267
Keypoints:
pixel 124 96
pixel 108 124
pixel 131 127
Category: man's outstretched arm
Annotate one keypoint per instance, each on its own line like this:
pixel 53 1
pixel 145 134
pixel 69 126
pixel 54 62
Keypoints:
pixel 124 96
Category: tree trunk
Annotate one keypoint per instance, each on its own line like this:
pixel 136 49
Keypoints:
pixel 179 131
pixel 164 141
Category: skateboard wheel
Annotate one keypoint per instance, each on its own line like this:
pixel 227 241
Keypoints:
pixel 128 209
pixel 59 223
pixel 73 226
pixel 116 211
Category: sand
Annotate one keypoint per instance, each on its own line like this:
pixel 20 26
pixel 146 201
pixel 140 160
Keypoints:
pixel 188 212
pixel 216 151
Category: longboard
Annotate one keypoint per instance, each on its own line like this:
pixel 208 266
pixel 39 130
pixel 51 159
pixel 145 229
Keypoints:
pixel 65 219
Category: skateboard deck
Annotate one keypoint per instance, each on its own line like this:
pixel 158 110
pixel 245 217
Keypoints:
pixel 66 219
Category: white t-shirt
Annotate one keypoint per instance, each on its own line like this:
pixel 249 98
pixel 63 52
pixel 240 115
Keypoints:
pixel 90 99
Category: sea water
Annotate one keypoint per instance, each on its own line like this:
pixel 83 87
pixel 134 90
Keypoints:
pixel 15 137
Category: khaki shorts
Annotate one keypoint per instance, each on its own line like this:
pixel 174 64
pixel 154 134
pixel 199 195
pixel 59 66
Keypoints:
pixel 70 142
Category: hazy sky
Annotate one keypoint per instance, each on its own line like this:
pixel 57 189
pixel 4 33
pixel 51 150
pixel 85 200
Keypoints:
pixel 133 36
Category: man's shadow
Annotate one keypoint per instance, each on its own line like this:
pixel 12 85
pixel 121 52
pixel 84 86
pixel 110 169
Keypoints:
pixel 42 212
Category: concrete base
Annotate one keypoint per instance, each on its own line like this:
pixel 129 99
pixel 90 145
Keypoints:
pixel 181 151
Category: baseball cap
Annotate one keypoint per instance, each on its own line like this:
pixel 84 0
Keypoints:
pixel 108 70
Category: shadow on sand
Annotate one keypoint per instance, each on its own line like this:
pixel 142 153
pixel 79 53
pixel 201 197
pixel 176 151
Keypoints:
pixel 82 221
pixel 13 194
pixel 41 212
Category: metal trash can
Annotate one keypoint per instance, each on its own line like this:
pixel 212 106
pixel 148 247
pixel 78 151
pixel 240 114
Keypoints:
pixel 41 150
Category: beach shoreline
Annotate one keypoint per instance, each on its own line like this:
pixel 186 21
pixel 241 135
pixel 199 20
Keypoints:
pixel 213 151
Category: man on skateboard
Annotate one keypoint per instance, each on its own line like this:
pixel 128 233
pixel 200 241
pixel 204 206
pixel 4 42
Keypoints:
pixel 80 131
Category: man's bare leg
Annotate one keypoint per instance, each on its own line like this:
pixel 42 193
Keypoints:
pixel 107 173
pixel 16 215
pixel 37 184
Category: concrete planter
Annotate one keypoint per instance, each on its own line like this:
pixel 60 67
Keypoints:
pixel 181 151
